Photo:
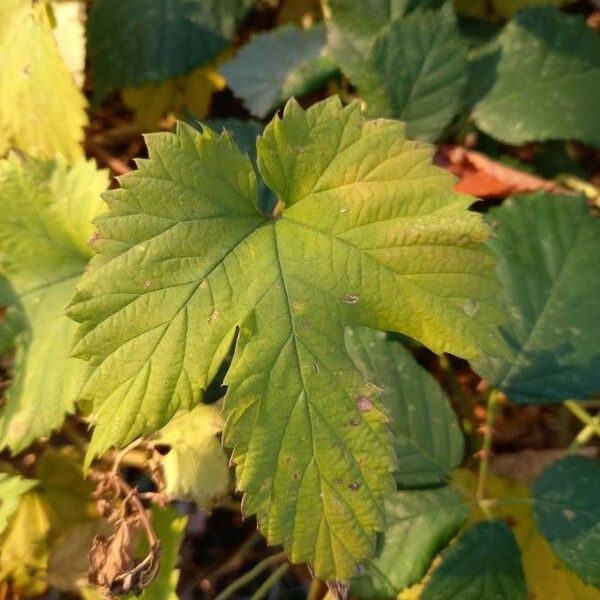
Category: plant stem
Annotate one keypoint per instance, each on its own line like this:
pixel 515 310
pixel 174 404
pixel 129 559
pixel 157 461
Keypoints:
pixel 247 577
pixel 592 425
pixel 275 576
pixel 486 446
pixel 314 589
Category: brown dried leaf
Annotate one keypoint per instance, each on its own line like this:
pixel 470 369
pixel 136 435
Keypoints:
pixel 114 569
pixel 484 177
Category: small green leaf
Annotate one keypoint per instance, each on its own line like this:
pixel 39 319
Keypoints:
pixel 12 487
pixel 549 247
pixel 485 564
pixel 170 530
pixel 45 213
pixel 567 511
pixel 41 111
pixel 136 42
pixel 419 524
pixel 277 65
pixel 540 80
pixel 186 260
pixel 195 468
pixel 428 439
pixel 414 68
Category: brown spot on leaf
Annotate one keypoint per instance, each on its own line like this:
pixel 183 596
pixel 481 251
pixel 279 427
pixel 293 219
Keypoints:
pixel 364 404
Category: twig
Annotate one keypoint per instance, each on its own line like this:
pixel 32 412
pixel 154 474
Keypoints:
pixel 114 163
pixel 486 446
pixel 264 589
pixel 250 575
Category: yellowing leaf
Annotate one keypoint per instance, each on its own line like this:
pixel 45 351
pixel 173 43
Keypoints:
pixel 195 468
pixel 12 487
pixel 41 110
pixel 69 33
pixel 61 499
pixel 177 97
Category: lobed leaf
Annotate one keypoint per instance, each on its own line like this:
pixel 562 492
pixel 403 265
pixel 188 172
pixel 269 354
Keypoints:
pixel 45 213
pixel 548 245
pixel 187 264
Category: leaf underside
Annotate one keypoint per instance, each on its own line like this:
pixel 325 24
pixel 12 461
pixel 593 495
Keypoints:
pixel 370 235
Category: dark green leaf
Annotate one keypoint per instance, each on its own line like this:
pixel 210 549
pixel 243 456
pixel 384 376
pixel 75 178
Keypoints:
pixel 485 564
pixel 567 512
pixel 427 436
pixel 277 65
pixel 540 80
pixel 415 69
pixel 549 247
pixel 138 41
pixel 420 523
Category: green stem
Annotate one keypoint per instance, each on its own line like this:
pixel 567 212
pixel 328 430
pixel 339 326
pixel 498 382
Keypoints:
pixel 486 445
pixel 592 425
pixel 275 576
pixel 247 577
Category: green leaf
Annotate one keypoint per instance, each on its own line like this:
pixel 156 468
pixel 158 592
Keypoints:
pixel 540 80
pixel 136 42
pixel 419 524
pixel 244 134
pixel 485 564
pixel 428 439
pixel 549 247
pixel 41 110
pixel 195 468
pixel 414 68
pixel 567 511
pixel 170 529
pixel 186 261
pixel 277 65
pixel 45 213
pixel 12 487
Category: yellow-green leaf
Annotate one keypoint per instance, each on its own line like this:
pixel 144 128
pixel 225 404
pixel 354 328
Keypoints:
pixel 367 232
pixel 41 110
pixel 45 213
pixel 195 468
